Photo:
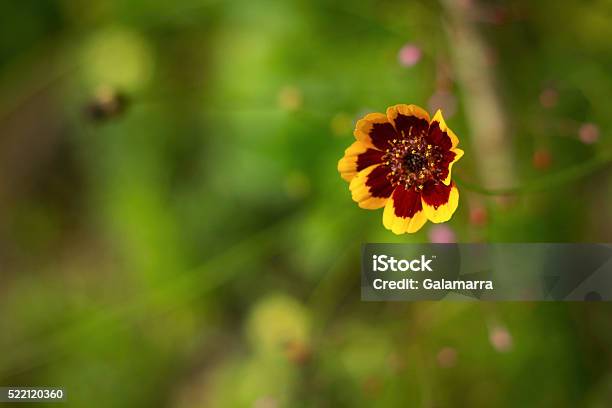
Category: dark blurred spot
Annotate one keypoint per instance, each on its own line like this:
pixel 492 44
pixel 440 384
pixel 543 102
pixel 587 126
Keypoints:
pixel 592 297
pixel 549 97
pixel 298 352
pixel 478 215
pixel 447 357
pixel 372 386
pixel 542 159
pixel 106 104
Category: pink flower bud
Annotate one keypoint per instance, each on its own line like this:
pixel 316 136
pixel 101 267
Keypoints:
pixel 409 55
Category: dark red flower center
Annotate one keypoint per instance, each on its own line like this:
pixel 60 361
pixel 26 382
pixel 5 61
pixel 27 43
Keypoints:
pixel 413 161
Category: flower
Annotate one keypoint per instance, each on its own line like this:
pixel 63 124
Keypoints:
pixel 549 97
pixel 107 103
pixel 409 55
pixel 542 159
pixel 500 339
pixel 447 357
pixel 588 133
pixel 290 98
pixel 402 161
pixel 442 234
pixel 478 215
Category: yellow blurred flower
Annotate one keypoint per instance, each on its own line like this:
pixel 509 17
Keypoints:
pixel 290 98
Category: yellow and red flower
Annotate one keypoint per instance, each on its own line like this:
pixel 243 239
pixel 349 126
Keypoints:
pixel 402 161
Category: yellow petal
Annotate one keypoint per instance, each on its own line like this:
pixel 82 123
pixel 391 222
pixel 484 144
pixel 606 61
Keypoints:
pixel 349 165
pixel 399 224
pixel 438 118
pixel 444 210
pixel 366 196
pixel 458 155
pixel 406 110
pixel 374 130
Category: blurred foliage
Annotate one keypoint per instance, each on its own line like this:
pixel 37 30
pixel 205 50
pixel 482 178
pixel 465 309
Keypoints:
pixel 193 245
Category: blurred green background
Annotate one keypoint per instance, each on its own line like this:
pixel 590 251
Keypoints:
pixel 174 232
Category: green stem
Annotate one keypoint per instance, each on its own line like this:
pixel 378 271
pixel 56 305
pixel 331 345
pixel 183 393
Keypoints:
pixel 546 182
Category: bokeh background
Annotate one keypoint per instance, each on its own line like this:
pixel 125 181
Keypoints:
pixel 174 233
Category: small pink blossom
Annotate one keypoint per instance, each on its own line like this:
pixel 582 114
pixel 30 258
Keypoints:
pixel 588 133
pixel 542 159
pixel 500 339
pixel 478 215
pixel 549 97
pixel 447 357
pixel 442 234
pixel 465 4
pixel 409 55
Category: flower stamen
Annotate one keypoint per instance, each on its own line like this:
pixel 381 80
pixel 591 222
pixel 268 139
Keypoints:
pixel 412 161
